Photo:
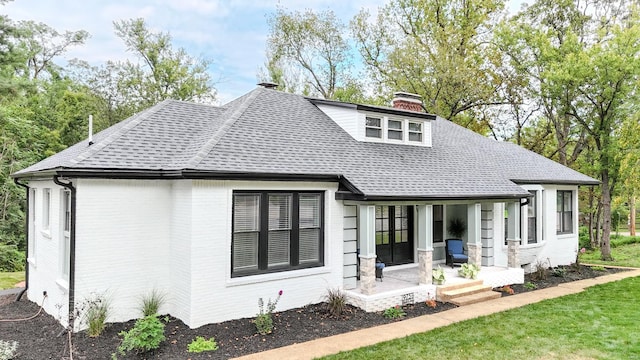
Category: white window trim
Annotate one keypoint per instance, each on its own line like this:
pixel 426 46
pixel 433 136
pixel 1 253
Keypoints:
pixel 540 218
pixel 45 219
pixel 64 235
pixel 425 132
pixel 31 236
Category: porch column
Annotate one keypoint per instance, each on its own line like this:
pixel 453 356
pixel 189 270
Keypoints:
pixel 367 239
pixel 425 243
pixel 474 233
pixel 513 234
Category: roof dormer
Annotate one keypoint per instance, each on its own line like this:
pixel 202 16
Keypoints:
pixel 405 123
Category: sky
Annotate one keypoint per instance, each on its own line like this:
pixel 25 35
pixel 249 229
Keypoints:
pixel 231 33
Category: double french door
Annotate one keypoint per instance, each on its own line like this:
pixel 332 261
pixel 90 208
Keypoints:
pixel 394 234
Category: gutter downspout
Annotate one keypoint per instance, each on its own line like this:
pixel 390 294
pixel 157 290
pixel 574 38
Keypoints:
pixel 26 247
pixel 72 247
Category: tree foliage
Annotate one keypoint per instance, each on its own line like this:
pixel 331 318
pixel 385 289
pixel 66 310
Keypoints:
pixel 309 53
pixel 438 49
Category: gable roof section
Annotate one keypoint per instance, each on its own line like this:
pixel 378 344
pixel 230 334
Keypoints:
pixel 270 134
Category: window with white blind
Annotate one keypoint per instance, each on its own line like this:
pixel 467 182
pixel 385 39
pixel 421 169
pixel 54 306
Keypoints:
pixel 276 231
pixel 65 243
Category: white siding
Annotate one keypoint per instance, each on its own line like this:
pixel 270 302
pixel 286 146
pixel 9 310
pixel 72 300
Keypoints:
pixel 215 295
pixel 346 118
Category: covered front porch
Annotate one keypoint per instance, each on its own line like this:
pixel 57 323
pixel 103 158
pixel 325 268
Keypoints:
pixel 486 243
pixel 400 285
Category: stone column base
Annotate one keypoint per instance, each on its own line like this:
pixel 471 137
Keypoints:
pixel 475 253
pixel 425 267
pixel 513 248
pixel 367 275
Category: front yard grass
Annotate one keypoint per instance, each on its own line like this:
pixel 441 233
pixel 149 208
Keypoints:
pixel 9 279
pixel 599 323
pixel 623 255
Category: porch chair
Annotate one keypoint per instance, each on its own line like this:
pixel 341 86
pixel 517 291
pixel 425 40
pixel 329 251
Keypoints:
pixel 455 252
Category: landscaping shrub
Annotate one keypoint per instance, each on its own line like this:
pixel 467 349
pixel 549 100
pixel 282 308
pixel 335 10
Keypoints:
pixel 336 300
pixel 11 259
pixel 263 321
pixel 93 312
pixel 8 349
pixel 152 302
pixel 146 335
pixel 395 312
pixel 200 344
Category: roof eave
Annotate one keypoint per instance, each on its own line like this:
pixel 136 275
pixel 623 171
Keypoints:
pixel 364 197
pixel 558 182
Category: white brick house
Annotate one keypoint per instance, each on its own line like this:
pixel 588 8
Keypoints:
pixel 217 206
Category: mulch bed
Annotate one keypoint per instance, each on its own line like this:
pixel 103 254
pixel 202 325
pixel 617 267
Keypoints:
pixel 44 338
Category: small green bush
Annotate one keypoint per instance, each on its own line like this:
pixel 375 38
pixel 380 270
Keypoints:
pixel 8 349
pixel 530 286
pixel 438 276
pixel 200 344
pixel 337 301
pixel 263 321
pixel 146 335
pixel 559 272
pixel 11 259
pixel 395 312
pixel 152 302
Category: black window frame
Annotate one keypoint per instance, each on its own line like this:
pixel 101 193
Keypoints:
pixel 561 226
pixel 438 224
pixel 263 233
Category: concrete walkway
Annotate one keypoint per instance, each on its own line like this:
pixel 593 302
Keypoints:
pixel 356 339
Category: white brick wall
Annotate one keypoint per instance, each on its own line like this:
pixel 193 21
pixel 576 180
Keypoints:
pixel 123 238
pixel 44 267
pixel 136 236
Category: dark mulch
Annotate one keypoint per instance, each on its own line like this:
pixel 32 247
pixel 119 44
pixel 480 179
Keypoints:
pixel 44 338
pixel 559 275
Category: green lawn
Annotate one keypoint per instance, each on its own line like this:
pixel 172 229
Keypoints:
pixel 600 323
pixel 9 279
pixel 624 249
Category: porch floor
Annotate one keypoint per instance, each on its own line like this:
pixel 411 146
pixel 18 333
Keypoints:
pixel 400 285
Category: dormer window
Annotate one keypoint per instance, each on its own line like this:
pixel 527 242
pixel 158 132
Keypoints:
pixel 395 130
pixel 415 131
pixel 374 127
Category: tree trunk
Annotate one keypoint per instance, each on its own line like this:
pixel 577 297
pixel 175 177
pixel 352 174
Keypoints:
pixel 632 216
pixel 605 245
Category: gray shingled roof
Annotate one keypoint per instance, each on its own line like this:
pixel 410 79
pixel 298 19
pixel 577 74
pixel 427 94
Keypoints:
pixel 271 132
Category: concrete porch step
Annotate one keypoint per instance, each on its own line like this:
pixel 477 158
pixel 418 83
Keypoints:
pixel 451 287
pixel 448 295
pixel 475 298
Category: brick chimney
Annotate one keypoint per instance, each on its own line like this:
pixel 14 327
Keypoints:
pixel 407 101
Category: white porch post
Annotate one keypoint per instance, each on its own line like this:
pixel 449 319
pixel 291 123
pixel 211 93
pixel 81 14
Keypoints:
pixel 513 234
pixel 474 233
pixel 425 243
pixel 367 239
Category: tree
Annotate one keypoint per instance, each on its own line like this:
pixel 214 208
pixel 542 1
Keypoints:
pixel 312 45
pixel 161 72
pixel 438 49
pixel 40 44
pixel 583 67
pixel 164 73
